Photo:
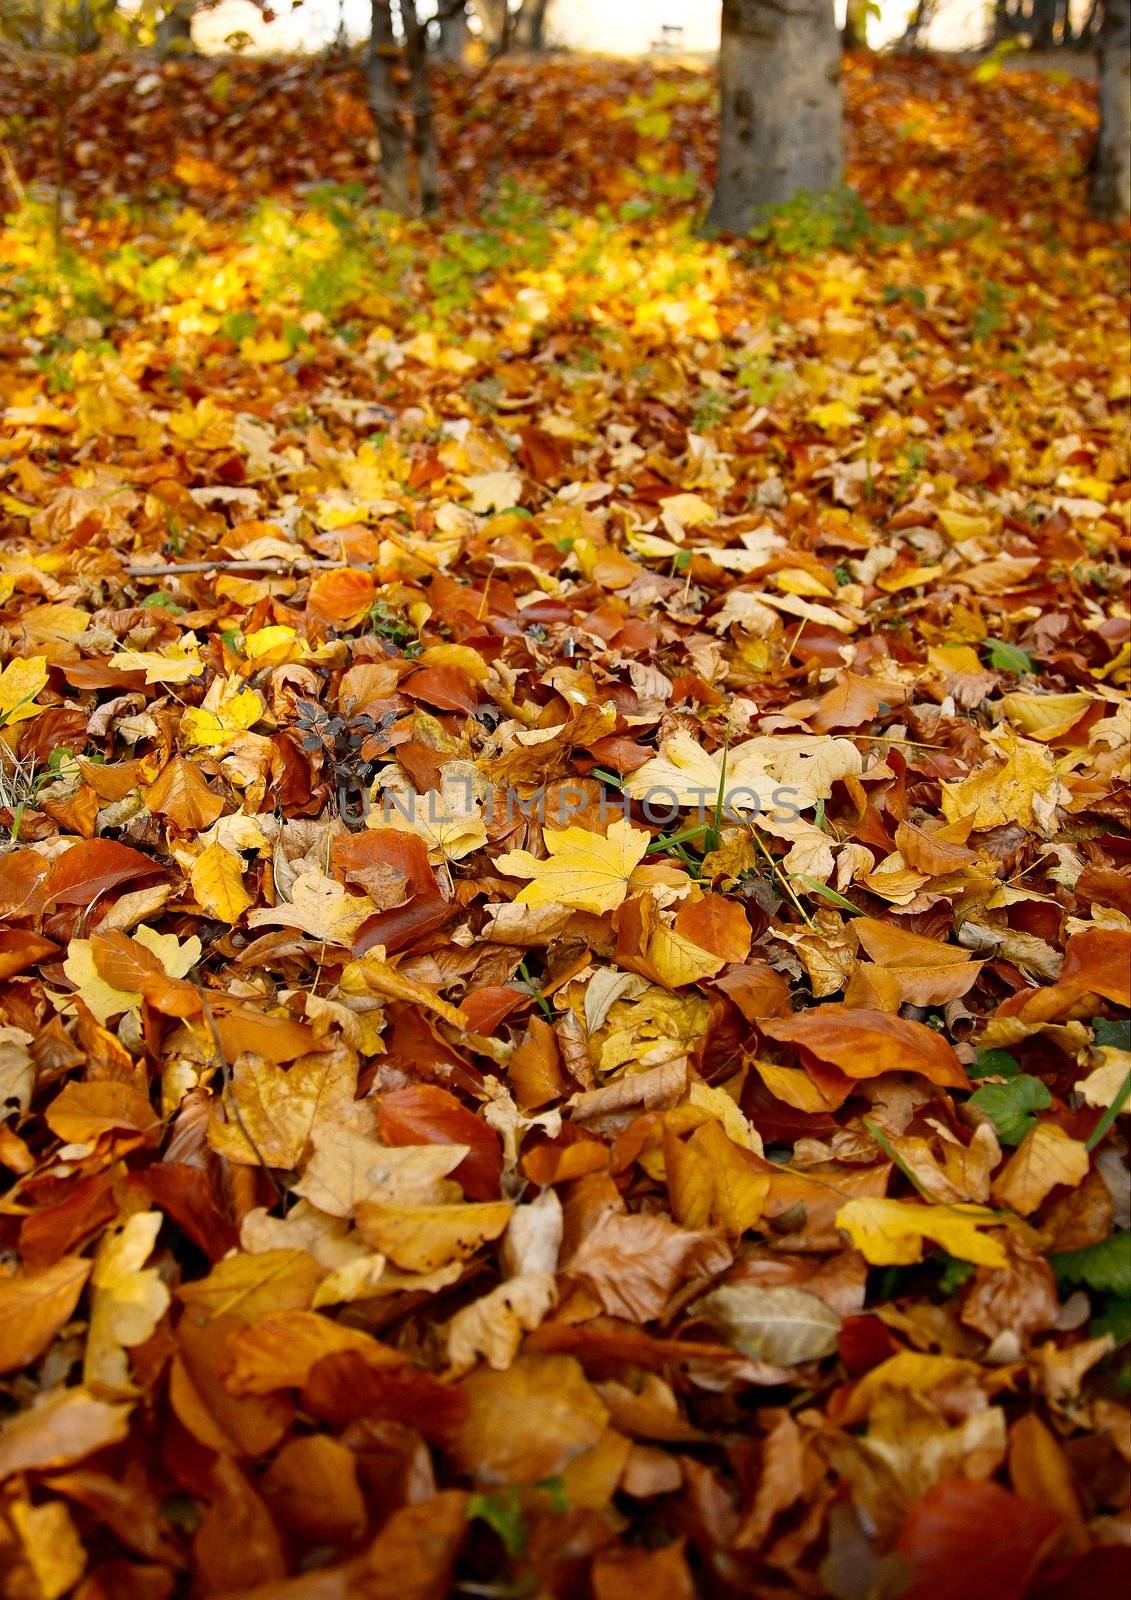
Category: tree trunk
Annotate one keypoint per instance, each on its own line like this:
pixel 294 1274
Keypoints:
pixel 396 190
pixel 174 31
pixel 1111 181
pixel 423 125
pixel 854 34
pixel 494 19
pixel 1042 24
pixel 780 122
pixel 920 20
pixel 453 31
pixel 530 29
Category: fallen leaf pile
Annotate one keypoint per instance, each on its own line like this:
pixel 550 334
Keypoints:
pixel 564 986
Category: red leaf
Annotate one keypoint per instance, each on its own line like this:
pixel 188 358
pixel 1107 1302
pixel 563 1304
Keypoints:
pixel 91 867
pixel 973 1540
pixel 343 1386
pixel 425 1114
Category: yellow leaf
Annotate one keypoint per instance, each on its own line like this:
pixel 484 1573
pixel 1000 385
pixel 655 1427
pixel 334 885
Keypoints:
pixel 890 1233
pixel 960 526
pixel 803 767
pixel 102 999
pixel 348 1167
pixel 493 491
pixel 722 1106
pixel 272 1111
pixel 268 347
pixel 422 1238
pixel 690 1181
pixel 584 870
pixel 448 819
pixel 217 883
pixel 373 975
pixel 1102 1085
pixel 274 646
pixel 677 961
pixel 1047 1156
pixel 254 1286
pixel 228 711
pixel 952 658
pixel 833 417
pixel 1004 791
pixel 460 656
pixel 52 1547
pixel 793 1087
pixel 279 1352
pixel 739 1192
pixel 128 1302
pixel 20 682
pixel 174 666
pixel 1045 716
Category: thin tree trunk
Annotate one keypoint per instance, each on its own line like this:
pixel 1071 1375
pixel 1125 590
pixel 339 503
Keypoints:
pixel 530 29
pixel 423 124
pixel 1111 181
pixel 918 23
pixel 396 190
pixel 780 126
pixel 494 19
pixel 174 31
pixel 454 33
pixel 854 34
pixel 1043 22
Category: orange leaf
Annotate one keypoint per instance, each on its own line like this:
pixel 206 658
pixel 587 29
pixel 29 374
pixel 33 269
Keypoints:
pixel 865 1043
pixel 716 924
pixel 341 598
pixel 181 794
pixel 34 1306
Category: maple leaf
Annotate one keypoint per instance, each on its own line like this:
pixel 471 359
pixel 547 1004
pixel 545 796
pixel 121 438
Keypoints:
pixel 103 997
pixel 228 710
pixel 585 870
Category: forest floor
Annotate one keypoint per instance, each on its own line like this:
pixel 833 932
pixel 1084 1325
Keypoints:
pixel 565 985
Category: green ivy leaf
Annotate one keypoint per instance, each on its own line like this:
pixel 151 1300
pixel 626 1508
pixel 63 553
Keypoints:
pixel 994 1064
pixel 954 1274
pixel 1008 657
pixel 1112 1033
pixel 1009 1106
pixel 503 1514
pixel 1105 1266
pixel 1115 1318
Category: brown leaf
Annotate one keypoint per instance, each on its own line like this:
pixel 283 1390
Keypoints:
pixel 237 1545
pixel 633 1265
